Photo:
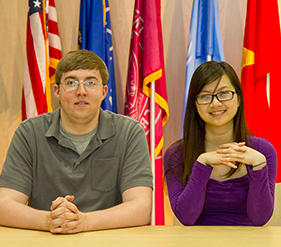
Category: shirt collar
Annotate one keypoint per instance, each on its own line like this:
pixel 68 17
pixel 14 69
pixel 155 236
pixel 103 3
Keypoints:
pixel 106 127
pixel 105 130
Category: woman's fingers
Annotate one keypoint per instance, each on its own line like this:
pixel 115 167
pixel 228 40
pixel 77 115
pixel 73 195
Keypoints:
pixel 235 146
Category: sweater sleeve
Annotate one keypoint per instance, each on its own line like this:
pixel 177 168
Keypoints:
pixel 260 202
pixel 186 201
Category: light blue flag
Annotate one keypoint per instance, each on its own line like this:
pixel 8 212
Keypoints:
pixel 95 35
pixel 205 41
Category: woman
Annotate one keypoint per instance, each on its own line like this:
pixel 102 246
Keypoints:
pixel 219 174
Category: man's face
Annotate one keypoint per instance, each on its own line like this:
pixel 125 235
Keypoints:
pixel 80 105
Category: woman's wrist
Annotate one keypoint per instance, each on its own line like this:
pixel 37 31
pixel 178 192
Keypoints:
pixel 259 166
pixel 201 159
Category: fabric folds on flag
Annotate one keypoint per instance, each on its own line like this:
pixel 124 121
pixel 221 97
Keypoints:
pixel 55 53
pixel 34 101
pixel 205 41
pixel 95 35
pixel 260 75
pixel 146 64
pixel 43 51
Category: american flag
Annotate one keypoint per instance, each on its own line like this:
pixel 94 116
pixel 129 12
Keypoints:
pixel 53 39
pixel 36 97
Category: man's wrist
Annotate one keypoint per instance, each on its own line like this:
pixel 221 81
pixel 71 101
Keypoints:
pixel 46 221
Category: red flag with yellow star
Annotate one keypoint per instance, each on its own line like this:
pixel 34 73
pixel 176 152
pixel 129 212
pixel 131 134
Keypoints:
pixel 260 71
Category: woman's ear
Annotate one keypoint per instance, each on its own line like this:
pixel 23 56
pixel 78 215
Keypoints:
pixel 239 100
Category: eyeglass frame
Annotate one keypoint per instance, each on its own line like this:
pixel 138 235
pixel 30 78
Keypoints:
pixel 78 84
pixel 216 95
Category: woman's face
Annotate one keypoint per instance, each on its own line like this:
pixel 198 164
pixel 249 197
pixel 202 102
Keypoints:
pixel 218 113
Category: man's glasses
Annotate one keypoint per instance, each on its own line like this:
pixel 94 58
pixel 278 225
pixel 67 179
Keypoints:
pixel 206 99
pixel 89 85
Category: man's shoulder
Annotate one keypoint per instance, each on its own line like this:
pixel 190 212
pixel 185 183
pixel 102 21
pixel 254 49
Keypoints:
pixel 38 118
pixel 41 121
pixel 118 117
pixel 111 123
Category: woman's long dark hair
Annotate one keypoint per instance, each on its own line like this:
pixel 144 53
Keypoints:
pixel 193 141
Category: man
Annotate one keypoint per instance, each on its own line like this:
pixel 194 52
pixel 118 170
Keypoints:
pixel 79 168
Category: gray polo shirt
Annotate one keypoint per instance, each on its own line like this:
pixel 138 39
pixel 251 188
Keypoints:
pixel 43 164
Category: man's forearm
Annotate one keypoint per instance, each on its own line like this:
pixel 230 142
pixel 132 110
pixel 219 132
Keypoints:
pixel 16 214
pixel 123 215
pixel 134 211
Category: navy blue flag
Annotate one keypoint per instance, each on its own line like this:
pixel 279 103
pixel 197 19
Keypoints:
pixel 95 35
pixel 205 41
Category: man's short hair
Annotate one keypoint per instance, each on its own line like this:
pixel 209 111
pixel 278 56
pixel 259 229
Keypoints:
pixel 81 59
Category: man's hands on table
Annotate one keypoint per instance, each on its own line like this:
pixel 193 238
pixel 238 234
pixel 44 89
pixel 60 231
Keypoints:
pixel 65 216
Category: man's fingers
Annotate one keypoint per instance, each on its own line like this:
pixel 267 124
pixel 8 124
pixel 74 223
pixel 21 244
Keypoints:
pixel 70 226
pixel 69 198
pixel 70 206
pixel 64 230
pixel 58 212
pixel 58 201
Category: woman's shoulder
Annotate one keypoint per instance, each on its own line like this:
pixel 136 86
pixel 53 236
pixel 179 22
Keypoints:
pixel 261 144
pixel 176 147
pixel 173 155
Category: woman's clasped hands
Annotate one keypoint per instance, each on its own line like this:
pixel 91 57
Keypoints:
pixel 230 153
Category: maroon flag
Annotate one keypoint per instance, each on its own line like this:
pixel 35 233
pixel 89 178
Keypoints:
pixel 146 65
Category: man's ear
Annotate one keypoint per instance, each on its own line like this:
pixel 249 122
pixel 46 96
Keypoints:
pixel 105 89
pixel 56 91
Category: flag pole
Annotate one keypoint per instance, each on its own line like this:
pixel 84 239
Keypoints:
pixel 268 89
pixel 152 146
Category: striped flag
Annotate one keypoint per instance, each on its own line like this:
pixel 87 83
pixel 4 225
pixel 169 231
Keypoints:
pixel 55 53
pixel 146 64
pixel 260 77
pixel 36 94
pixel 205 41
pixel 95 35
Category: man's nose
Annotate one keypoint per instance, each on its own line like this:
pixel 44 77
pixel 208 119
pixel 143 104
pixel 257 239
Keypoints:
pixel 81 89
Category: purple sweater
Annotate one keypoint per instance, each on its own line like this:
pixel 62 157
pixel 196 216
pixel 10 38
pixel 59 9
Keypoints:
pixel 248 200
